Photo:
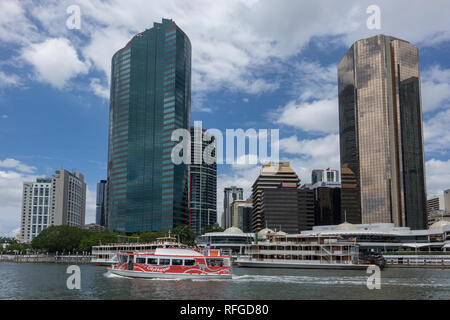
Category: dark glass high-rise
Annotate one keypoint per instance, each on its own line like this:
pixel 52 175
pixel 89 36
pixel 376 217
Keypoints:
pixel 150 97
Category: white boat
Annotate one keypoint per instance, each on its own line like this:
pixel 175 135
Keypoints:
pixel 305 252
pixel 172 260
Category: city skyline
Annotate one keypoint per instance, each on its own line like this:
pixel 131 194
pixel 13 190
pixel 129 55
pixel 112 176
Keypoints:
pixel 305 145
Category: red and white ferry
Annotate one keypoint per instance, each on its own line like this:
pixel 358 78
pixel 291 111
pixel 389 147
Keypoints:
pixel 172 260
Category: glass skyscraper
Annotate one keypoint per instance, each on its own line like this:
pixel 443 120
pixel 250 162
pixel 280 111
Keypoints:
pixel 150 98
pixel 381 140
pixel 203 201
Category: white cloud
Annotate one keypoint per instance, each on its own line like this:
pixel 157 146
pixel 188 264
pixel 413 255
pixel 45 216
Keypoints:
pixel 437 133
pixel 17 165
pixel 438 176
pixel 435 88
pixel 55 61
pixel 10 80
pixel 99 89
pixel 5 116
pixel 316 116
pixel 11 187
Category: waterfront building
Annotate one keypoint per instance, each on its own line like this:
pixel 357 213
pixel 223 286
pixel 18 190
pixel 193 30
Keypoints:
pixel 271 176
pixel 231 194
pixel 438 207
pixel 327 206
pixel 381 139
pixel 306 207
pixel 439 202
pixel 242 215
pixel 233 240
pixel 203 200
pixel 326 175
pixel 55 201
pixel 100 209
pixel 386 237
pixel 150 98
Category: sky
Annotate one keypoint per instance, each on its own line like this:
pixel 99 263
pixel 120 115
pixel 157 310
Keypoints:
pixel 256 64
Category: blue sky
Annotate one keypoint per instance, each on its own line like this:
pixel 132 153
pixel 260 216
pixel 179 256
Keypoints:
pixel 256 64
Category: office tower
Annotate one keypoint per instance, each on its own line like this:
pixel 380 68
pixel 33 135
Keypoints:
pixel 438 207
pixel 439 202
pixel 306 209
pixel 230 195
pixel 272 174
pixel 242 215
pixel 59 200
pixel 100 210
pixel 327 206
pixel 280 208
pixel 150 98
pixel 327 175
pixel 203 200
pixel 381 141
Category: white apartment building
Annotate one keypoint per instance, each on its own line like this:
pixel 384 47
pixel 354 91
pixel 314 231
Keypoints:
pixel 60 200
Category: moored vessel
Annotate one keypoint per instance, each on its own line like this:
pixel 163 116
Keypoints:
pixel 305 252
pixel 172 260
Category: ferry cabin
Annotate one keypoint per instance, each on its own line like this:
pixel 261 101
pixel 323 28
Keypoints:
pixel 171 263
pixel 305 249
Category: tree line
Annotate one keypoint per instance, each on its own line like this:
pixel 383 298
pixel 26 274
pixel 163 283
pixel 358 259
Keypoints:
pixel 67 239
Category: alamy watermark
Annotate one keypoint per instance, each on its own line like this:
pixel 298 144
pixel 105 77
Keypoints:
pixel 240 147
pixel 374 280
pixel 73 22
pixel 74 280
pixel 374 20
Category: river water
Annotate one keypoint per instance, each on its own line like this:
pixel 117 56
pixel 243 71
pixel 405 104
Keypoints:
pixel 48 281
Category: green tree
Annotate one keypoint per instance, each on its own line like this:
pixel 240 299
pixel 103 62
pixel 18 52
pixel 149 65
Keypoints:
pixel 214 228
pixel 59 238
pixel 20 248
pixel 149 236
pixel 185 234
pixel 95 238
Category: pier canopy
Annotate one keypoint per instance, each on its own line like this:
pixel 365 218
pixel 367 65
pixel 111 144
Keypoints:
pixel 264 232
pixel 440 224
pixel 345 226
pixel 233 230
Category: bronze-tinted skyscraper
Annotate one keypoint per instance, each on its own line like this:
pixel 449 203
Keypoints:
pixel 381 140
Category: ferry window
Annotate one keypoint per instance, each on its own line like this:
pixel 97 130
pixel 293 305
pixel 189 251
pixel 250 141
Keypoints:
pixel 177 262
pixel 152 261
pixel 215 262
pixel 123 258
pixel 189 262
pixel 140 260
pixel 164 262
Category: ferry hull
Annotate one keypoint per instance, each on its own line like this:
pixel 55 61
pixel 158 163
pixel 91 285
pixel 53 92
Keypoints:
pixel 286 265
pixel 159 275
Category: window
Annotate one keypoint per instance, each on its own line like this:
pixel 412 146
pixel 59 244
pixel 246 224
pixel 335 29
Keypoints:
pixel 164 262
pixel 140 260
pixel 152 261
pixel 177 262
pixel 189 262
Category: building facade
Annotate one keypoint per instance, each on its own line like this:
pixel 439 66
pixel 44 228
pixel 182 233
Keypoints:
pixel 324 175
pixel 381 140
pixel 150 98
pixel 271 176
pixel 203 199
pixel 242 215
pixel 55 201
pixel 100 208
pixel 230 195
